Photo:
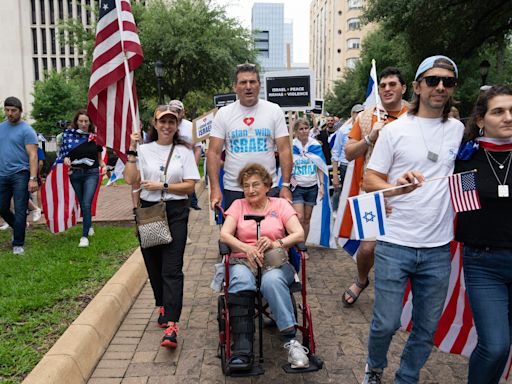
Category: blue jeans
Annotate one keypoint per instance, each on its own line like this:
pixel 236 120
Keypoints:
pixel 488 277
pixel 15 187
pixel 274 288
pixel 429 272
pixel 84 182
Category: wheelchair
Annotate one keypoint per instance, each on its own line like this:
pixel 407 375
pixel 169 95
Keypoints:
pixel 298 261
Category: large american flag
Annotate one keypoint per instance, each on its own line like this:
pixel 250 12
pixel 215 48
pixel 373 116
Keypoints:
pixel 112 83
pixel 456 332
pixel 463 192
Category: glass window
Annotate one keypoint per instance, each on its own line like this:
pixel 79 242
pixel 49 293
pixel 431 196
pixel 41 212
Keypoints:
pixel 351 62
pixel 43 41
pixel 62 42
pixel 353 24
pixel 34 41
pixel 54 63
pixel 52 40
pixel 70 9
pixel 71 43
pixel 87 12
pixel 45 64
pixel 43 15
pixel 62 62
pixel 71 62
pixel 61 9
pixel 36 68
pixel 80 61
pixel 79 10
pixel 353 43
pixel 355 4
pixel 52 13
pixel 33 8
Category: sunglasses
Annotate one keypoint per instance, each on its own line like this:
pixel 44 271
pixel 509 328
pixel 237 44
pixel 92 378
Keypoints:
pixel 433 81
pixel 246 65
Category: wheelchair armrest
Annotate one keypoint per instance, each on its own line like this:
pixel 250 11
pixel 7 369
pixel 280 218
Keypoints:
pixel 224 249
pixel 301 247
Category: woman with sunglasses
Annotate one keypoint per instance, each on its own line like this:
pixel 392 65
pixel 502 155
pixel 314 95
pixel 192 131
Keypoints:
pixel 487 232
pixel 164 263
pixel 309 178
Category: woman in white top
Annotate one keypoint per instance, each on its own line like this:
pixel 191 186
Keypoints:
pixel 306 173
pixel 164 263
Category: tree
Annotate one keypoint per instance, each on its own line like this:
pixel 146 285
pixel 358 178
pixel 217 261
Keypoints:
pixel 457 28
pixel 198 44
pixel 56 98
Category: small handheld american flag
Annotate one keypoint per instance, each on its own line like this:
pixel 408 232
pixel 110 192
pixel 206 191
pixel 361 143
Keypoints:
pixel 463 191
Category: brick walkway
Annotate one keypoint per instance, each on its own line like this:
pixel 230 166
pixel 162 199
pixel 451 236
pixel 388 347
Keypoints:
pixel 135 357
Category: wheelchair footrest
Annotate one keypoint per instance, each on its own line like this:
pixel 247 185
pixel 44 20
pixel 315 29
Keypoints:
pixel 256 370
pixel 315 364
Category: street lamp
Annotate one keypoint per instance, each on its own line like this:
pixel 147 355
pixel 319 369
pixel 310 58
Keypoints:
pixel 484 70
pixel 159 72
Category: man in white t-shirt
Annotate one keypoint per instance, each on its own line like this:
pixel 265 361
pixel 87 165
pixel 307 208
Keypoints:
pixel 185 131
pixel 416 246
pixel 251 131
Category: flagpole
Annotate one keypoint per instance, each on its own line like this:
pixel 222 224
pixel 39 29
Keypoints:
pixel 135 127
pixel 411 184
pixel 376 85
pixel 135 122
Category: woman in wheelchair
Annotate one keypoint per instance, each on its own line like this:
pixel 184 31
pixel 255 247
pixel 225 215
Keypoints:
pixel 280 229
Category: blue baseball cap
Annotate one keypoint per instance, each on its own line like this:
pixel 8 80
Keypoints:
pixel 433 62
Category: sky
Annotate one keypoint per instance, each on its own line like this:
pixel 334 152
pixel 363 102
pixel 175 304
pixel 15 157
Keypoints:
pixel 296 10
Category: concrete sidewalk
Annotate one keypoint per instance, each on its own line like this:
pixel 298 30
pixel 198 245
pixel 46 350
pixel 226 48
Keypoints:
pixel 134 355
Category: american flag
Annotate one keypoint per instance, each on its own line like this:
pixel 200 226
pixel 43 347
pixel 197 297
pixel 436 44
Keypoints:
pixel 456 332
pixel 59 201
pixel 112 96
pixel 463 192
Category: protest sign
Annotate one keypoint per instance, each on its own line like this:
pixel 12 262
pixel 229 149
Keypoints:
pixel 291 90
pixel 202 126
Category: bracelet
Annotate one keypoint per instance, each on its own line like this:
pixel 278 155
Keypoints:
pixel 286 185
pixel 132 153
pixel 368 141
pixel 131 161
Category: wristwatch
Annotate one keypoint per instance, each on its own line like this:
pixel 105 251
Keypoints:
pixel 368 141
pixel 166 186
pixel 33 178
pixel 287 185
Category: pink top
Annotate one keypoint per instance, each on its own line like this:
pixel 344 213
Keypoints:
pixel 277 214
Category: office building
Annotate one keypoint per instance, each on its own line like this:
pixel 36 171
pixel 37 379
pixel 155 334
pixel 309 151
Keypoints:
pixel 32 42
pixel 335 40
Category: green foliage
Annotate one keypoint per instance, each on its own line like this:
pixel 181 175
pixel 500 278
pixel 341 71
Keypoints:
pixel 455 28
pixel 42 293
pixel 199 46
pixel 56 98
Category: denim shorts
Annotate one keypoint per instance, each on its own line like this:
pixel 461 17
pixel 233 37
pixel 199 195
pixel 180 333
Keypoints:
pixel 305 195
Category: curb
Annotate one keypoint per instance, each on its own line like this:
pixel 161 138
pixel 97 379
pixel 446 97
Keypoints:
pixel 74 356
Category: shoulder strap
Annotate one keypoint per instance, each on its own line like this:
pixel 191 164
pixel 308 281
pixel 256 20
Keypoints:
pixel 166 166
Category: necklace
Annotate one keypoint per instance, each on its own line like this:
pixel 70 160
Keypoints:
pixel 502 186
pixel 432 156
pixel 500 165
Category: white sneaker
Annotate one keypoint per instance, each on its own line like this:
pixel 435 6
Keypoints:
pixel 91 231
pixel 297 354
pixel 36 215
pixel 17 250
pixel 188 240
pixel 84 242
pixel 4 226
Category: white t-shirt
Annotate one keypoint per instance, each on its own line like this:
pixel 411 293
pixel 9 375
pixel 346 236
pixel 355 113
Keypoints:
pixel 152 159
pixel 304 168
pixel 185 129
pixel 424 217
pixel 249 135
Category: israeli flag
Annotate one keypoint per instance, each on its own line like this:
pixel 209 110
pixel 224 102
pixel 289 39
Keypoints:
pixel 372 93
pixel 117 173
pixel 369 215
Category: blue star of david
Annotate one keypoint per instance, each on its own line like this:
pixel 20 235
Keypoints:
pixel 368 216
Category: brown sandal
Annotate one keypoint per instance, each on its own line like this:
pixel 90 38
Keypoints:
pixel 354 297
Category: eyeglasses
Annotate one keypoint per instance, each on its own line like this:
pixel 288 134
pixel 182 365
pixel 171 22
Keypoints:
pixel 433 81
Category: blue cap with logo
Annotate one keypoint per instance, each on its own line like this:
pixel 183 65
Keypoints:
pixel 435 62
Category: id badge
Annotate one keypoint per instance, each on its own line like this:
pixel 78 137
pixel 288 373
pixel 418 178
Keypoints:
pixel 503 191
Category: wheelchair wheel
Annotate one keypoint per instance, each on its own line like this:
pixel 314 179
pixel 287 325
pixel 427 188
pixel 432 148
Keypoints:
pixel 221 350
pixel 221 316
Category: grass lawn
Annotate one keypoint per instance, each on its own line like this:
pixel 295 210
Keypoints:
pixel 44 290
